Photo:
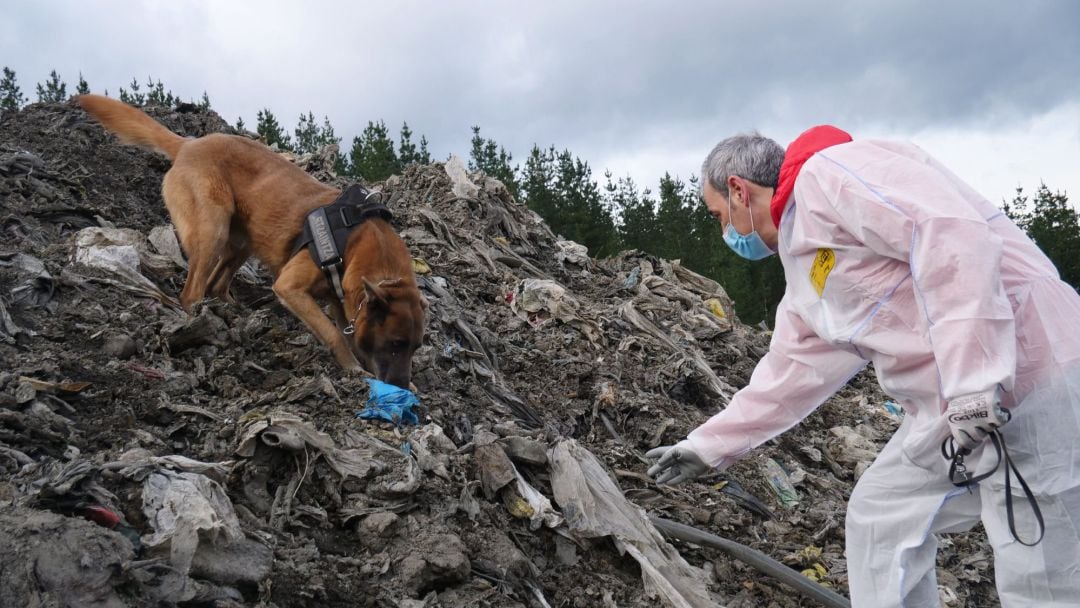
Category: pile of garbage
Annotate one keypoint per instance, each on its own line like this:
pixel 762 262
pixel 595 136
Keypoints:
pixel 151 457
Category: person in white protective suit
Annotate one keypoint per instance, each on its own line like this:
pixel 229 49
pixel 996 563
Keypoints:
pixel 890 258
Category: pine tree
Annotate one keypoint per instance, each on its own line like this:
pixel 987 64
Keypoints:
pixel 240 126
pixel 310 137
pixel 538 182
pixel 755 287
pixel 307 134
pixel 327 137
pixel 204 103
pixel 560 188
pixel 372 156
pixel 494 160
pixel 83 87
pixel 54 90
pixel 677 226
pixel 423 156
pixel 634 211
pixel 157 95
pixel 134 98
pixel 1054 225
pixel 407 153
pixel 270 130
pixel 582 214
pixel 11 97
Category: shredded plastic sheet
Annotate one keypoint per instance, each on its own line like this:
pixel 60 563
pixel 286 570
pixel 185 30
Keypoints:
pixel 594 506
pixel 36 286
pixel 781 483
pixel 287 431
pixel 185 509
pixel 462 187
pixel 542 511
pixel 120 252
pixel 390 403
pixel 432 448
pixel 571 252
pixel 540 300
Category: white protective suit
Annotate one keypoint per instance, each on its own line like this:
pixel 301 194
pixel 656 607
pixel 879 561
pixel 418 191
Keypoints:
pixel 890 258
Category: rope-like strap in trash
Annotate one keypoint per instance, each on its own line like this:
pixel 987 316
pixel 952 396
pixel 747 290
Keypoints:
pixel 754 558
pixel 957 468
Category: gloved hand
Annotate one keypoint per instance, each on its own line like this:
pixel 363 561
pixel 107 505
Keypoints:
pixel 973 417
pixel 676 464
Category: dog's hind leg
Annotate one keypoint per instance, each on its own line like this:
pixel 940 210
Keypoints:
pixel 236 253
pixel 202 216
pixel 293 287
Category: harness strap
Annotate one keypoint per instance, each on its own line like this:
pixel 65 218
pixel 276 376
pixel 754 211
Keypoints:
pixel 326 231
pixel 957 467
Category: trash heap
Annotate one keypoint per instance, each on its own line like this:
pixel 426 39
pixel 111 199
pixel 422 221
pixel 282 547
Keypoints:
pixel 150 457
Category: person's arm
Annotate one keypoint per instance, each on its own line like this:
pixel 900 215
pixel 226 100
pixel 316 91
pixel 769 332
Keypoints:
pixel 918 216
pixel 798 374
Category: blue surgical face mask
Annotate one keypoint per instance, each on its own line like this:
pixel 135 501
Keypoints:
pixel 749 246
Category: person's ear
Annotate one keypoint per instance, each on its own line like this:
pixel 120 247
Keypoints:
pixel 737 189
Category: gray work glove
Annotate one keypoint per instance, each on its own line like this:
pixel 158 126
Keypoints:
pixel 973 417
pixel 676 464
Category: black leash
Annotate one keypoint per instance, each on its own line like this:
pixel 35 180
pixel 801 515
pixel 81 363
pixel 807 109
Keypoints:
pixel 958 468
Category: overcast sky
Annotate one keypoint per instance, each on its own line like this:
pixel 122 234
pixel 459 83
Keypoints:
pixel 637 88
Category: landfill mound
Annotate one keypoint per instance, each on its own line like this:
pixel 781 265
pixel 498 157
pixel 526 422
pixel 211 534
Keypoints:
pixel 150 457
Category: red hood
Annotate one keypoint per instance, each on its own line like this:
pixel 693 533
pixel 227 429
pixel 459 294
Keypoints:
pixel 812 141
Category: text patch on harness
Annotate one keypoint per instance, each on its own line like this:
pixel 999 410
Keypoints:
pixel 326 230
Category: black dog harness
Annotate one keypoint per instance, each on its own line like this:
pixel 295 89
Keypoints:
pixel 326 230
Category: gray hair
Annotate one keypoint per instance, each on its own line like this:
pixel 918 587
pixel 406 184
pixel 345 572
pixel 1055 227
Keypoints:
pixel 750 156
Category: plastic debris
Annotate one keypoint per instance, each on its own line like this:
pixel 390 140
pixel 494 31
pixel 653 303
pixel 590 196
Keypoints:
pixel 715 307
pixel 572 253
pixel 43 386
pixel 432 449
pixel 10 332
pixel 185 510
pixel 289 432
pixel 851 448
pixel 37 285
pixel 540 512
pixel 594 506
pixel 116 251
pixel 895 410
pixel 540 300
pixel 780 483
pixel 420 266
pixel 462 187
pixel 390 403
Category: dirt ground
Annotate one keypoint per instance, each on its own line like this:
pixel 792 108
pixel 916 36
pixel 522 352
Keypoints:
pixel 148 457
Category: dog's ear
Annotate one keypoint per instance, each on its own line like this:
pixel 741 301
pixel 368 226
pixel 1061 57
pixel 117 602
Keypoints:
pixel 377 297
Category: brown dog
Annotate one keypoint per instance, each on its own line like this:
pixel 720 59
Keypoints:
pixel 230 197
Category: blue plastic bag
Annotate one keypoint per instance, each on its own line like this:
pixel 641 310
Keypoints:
pixel 390 403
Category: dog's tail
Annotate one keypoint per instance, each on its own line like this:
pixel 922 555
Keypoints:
pixel 133 126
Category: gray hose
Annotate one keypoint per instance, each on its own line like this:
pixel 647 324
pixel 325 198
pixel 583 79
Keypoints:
pixel 754 558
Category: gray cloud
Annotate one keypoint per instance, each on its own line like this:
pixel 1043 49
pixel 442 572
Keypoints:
pixel 601 78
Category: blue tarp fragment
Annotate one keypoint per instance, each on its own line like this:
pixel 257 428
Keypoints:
pixel 390 403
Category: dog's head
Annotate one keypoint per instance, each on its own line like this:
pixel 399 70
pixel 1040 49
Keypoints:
pixel 389 329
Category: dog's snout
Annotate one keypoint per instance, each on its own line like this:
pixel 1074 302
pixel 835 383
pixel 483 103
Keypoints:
pixel 396 371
